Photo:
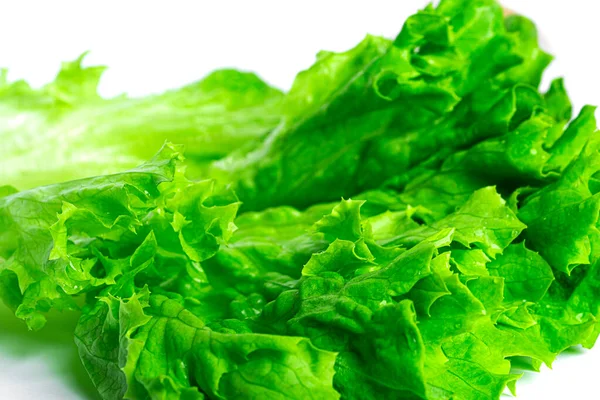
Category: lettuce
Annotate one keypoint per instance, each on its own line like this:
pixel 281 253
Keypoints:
pixel 65 131
pixel 175 354
pixel 414 219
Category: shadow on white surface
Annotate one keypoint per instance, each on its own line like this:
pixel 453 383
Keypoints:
pixel 41 365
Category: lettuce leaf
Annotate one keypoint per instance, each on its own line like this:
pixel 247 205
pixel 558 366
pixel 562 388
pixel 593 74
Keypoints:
pixel 67 239
pixel 78 134
pixel 152 346
pixel 414 220
pixel 389 105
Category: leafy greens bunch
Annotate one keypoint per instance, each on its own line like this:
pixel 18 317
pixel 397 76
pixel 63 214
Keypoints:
pixel 464 250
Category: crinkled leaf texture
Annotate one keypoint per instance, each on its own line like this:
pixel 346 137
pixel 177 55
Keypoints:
pixel 72 238
pixel 413 220
pixel 152 346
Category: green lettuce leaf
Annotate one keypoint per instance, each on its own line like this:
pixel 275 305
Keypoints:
pixel 66 239
pixel 569 206
pixel 413 220
pixel 439 85
pixel 76 134
pixel 152 346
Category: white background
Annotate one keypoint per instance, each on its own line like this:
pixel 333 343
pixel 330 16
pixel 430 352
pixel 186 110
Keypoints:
pixel 153 46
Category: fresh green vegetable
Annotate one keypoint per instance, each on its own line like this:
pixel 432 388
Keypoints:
pixel 65 131
pixel 413 220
